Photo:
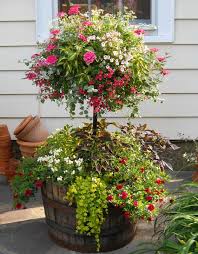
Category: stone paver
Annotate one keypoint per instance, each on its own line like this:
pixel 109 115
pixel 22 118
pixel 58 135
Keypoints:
pixel 25 231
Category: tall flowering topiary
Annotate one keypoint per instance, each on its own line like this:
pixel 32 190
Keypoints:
pixel 100 62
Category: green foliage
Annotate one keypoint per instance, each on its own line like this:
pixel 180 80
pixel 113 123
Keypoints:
pixel 180 225
pixel 90 195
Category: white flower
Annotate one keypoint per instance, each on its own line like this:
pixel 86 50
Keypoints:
pixel 73 172
pixel 54 169
pixel 103 44
pixel 60 178
pixel 110 44
pixel 111 60
pixel 117 62
pixel 56 161
pixel 123 62
pixel 122 69
pixel 120 57
pixel 68 161
pixel 115 53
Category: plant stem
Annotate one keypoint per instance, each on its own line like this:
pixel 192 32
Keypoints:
pixel 95 122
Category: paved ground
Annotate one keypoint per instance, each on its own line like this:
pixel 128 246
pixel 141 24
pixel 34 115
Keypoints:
pixel 25 231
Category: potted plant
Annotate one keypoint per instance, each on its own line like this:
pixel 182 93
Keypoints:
pixel 95 184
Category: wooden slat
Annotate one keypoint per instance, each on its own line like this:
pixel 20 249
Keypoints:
pixel 190 36
pixel 18 106
pixel 17 10
pixel 13 82
pixel 17 33
pixel 10 57
pixel 181 81
pixel 174 105
pixel 186 9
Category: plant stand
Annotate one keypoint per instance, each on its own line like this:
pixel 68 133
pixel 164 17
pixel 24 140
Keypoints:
pixel 116 232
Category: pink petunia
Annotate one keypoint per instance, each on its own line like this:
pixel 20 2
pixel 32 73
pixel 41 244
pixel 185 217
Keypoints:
pixel 87 23
pixel 154 50
pixel 50 47
pixel 139 32
pixel 55 31
pixel 74 9
pixel 133 90
pixel 165 72
pixel 61 14
pixel 89 57
pixel 51 59
pixel 82 37
pixel 161 58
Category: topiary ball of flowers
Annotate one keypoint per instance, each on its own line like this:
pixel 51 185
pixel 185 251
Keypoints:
pixel 99 61
pixel 117 169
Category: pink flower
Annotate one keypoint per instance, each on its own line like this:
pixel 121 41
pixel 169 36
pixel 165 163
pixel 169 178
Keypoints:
pixel 51 59
pixel 82 37
pixel 127 214
pixel 133 90
pixel 135 203
pixel 124 195
pixel 154 50
pixel 165 72
pixel 55 31
pixel 109 198
pixel 89 57
pixel 139 32
pixel 31 75
pixel 50 47
pixel 87 23
pixel 35 55
pixel 161 58
pixel 61 14
pixel 74 9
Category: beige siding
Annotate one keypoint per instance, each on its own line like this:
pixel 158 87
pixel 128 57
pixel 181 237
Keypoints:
pixel 178 113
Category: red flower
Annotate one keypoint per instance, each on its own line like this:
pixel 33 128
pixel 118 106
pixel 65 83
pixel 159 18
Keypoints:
pixel 151 207
pixel 133 90
pixel 74 9
pixel 119 186
pixel 110 198
pixel 28 193
pixel 51 59
pixel 139 32
pixel 55 31
pixel 154 50
pixel 82 91
pixel 82 37
pixel 165 72
pixel 87 23
pixel 38 184
pixel 127 214
pixel 149 198
pixel 124 195
pixel 161 58
pixel 18 206
pixel 135 203
pixel 147 190
pixel 142 169
pixel 150 219
pixel 31 75
pixel 50 47
pixel 159 181
pixel 119 102
pixel 89 57
pixel 123 161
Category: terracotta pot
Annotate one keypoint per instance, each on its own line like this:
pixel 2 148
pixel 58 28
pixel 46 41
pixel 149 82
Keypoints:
pixel 23 124
pixel 34 131
pixel 195 176
pixel 11 170
pixel 28 149
pixel 3 167
pixel 4 130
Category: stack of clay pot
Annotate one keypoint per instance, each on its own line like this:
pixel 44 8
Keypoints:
pixel 30 134
pixel 5 149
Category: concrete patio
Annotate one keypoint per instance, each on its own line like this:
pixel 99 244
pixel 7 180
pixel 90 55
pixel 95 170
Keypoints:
pixel 25 231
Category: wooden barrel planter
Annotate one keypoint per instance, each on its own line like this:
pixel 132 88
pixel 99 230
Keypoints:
pixel 116 232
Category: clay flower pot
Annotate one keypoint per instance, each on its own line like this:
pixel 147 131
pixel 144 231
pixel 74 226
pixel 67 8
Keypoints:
pixel 4 130
pixel 23 124
pixel 11 170
pixel 34 131
pixel 28 149
pixel 5 145
pixel 195 176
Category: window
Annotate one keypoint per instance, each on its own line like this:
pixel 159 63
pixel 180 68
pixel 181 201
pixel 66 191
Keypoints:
pixel 156 16
pixel 142 8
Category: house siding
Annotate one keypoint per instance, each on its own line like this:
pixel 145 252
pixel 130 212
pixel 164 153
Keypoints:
pixel 176 117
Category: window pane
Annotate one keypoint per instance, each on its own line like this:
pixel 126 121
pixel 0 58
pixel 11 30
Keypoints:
pixel 142 8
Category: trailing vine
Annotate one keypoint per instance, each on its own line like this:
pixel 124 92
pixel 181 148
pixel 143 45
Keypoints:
pixel 90 195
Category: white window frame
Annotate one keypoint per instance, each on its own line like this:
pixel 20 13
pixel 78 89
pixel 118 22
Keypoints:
pixel 160 31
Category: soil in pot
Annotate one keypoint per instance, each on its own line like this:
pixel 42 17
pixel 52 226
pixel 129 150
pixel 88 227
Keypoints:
pixel 34 131
pixel 116 232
